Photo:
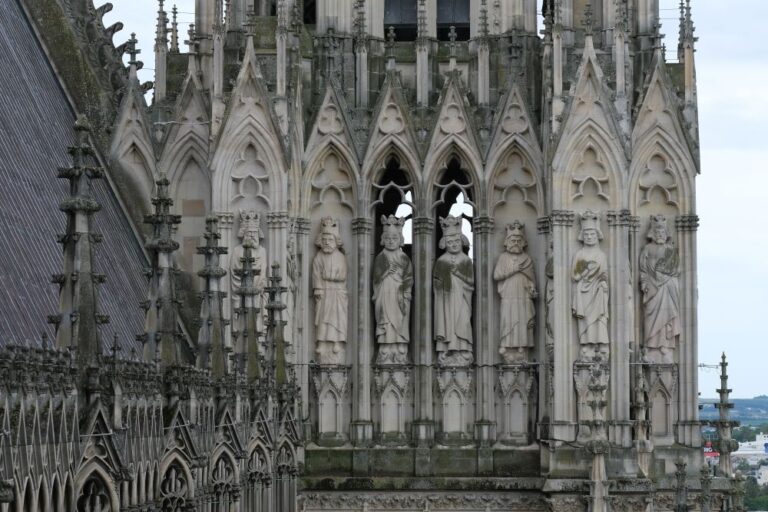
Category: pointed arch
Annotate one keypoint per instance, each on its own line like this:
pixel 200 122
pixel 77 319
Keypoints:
pixel 530 186
pixel 469 160
pixel 249 132
pixel 69 493
pixel 439 162
pixel 680 167
pixel 377 166
pixel 314 167
pixel 589 136
pixel 224 452
pixel 57 496
pixel 28 498
pixel 43 493
pixel 94 484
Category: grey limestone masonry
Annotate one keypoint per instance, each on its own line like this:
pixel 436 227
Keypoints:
pixel 354 255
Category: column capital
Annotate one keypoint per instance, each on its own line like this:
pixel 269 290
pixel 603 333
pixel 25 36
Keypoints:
pixel 277 219
pixel 687 222
pixel 226 219
pixel 544 225
pixel 562 218
pixel 483 225
pixel 361 225
pixel 423 225
pixel 620 218
pixel 303 225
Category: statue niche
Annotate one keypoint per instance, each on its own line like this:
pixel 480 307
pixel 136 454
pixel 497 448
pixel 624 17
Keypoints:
pixel 590 291
pixel 250 233
pixel 329 281
pixel 392 284
pixel 660 285
pixel 453 283
pixel 515 279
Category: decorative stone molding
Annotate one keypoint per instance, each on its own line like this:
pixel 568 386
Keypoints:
pixel 278 219
pixel 619 218
pixel 687 222
pixel 392 389
pixel 515 388
pixel 482 225
pixel 303 226
pixel 485 501
pixel 562 218
pixel 544 225
pixel 423 226
pixel 331 385
pixel 362 226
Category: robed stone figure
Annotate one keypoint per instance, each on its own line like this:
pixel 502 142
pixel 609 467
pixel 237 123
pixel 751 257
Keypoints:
pixel 250 233
pixel 515 280
pixel 392 285
pixel 453 284
pixel 590 290
pixel 329 281
pixel 660 284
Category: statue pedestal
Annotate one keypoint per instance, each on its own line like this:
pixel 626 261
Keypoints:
pixel 331 387
pixel 393 400
pixel 582 376
pixel 517 384
pixel 455 406
pixel 662 382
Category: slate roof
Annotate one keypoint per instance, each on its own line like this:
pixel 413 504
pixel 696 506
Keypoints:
pixel 36 123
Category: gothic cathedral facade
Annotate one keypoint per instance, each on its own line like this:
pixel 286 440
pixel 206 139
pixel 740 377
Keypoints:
pixel 403 255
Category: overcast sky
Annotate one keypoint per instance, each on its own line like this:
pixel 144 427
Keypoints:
pixel 733 108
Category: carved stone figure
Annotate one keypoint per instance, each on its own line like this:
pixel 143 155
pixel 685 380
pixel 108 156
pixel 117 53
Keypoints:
pixel 516 285
pixel 291 280
pixel 329 281
pixel 250 232
pixel 453 282
pixel 392 283
pixel 590 290
pixel 660 284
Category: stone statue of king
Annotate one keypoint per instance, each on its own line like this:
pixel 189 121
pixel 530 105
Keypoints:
pixel 454 282
pixel 392 284
pixel 329 281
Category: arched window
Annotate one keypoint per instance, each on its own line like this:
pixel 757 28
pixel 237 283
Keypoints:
pixel 402 16
pixel 453 13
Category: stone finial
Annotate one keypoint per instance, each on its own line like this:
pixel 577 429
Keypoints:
pixel 133 51
pixel 174 29
pixel 275 324
pixel 78 318
pixel 210 340
pixel 192 39
pixel 588 20
pixel 161 335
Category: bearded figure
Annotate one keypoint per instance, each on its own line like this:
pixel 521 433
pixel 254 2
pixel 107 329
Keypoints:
pixel 329 282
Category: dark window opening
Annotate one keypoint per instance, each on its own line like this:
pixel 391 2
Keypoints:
pixel 453 195
pixel 402 15
pixel 310 12
pixel 453 13
pixel 393 196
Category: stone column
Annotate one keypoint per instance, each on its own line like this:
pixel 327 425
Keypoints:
pixel 423 349
pixel 621 326
pixel 564 405
pixel 485 344
pixel 277 240
pixel 226 224
pixel 303 346
pixel 688 433
pixel 362 427
pixel 544 346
